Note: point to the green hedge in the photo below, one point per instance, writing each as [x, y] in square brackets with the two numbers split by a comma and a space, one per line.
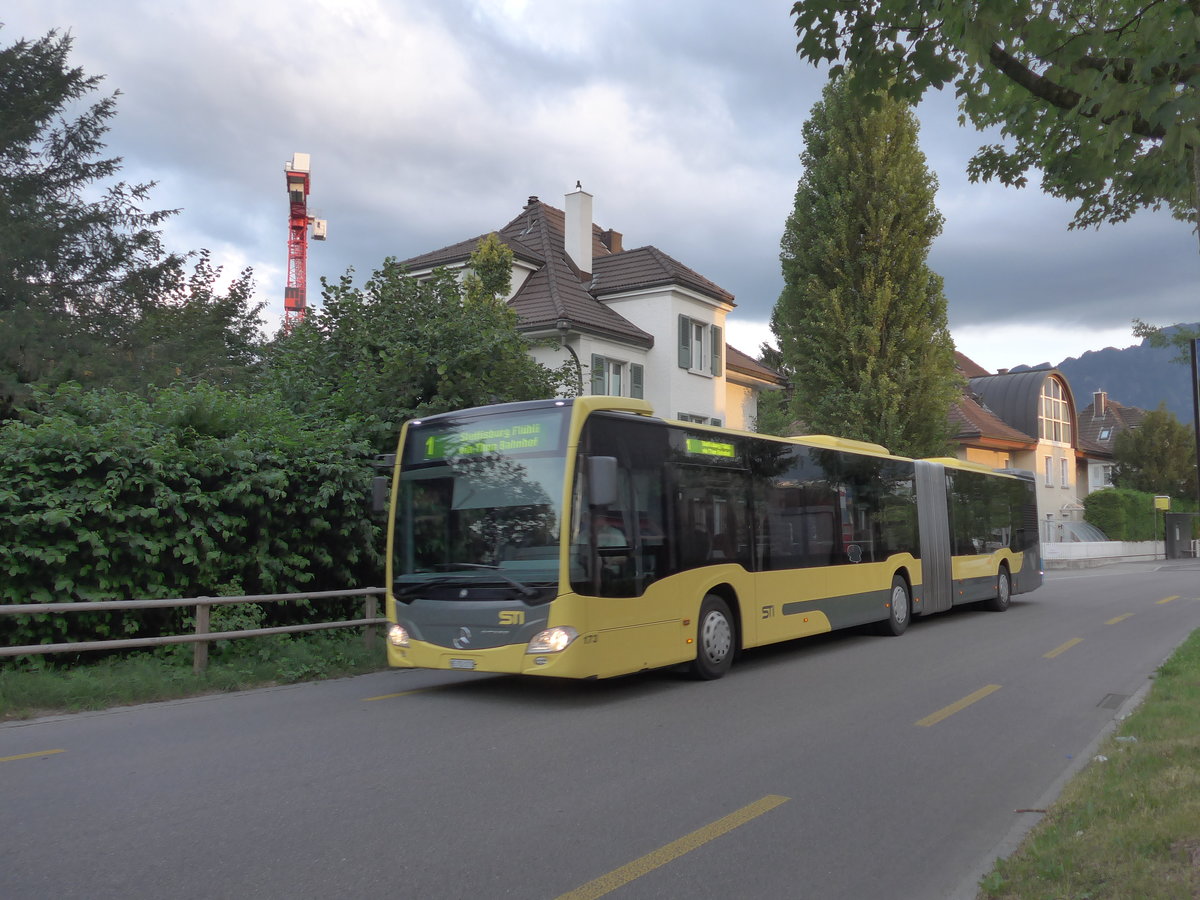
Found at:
[1126, 515]
[195, 491]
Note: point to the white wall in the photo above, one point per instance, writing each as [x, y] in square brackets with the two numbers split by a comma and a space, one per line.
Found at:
[741, 406]
[669, 388]
[1052, 498]
[584, 346]
[1096, 480]
[1082, 554]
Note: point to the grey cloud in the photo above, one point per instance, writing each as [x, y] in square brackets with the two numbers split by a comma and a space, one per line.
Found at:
[213, 110]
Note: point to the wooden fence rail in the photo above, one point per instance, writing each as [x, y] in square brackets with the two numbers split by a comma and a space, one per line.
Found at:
[202, 636]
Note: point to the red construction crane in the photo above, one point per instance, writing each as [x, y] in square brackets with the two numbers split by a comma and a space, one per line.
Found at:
[295, 301]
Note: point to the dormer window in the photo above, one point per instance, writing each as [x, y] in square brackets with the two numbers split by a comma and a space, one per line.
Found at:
[700, 346]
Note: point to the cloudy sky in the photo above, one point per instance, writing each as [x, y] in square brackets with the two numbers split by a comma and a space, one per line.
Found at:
[431, 121]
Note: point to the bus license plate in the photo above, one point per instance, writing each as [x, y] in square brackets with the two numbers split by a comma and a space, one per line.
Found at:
[462, 663]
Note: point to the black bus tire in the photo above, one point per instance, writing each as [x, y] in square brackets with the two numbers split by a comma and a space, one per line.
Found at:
[1003, 597]
[899, 609]
[714, 639]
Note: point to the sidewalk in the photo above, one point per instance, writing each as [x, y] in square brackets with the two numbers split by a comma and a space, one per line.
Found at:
[1124, 567]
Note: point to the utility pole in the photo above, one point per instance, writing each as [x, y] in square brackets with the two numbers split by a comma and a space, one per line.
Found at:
[1196, 410]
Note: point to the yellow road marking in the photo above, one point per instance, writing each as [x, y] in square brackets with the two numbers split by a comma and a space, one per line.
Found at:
[1119, 619]
[947, 711]
[401, 694]
[1166, 600]
[424, 690]
[29, 755]
[1062, 648]
[651, 861]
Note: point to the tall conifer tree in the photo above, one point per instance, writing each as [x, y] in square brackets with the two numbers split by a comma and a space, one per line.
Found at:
[79, 258]
[861, 321]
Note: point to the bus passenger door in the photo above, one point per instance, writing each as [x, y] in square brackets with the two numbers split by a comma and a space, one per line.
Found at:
[713, 518]
[798, 534]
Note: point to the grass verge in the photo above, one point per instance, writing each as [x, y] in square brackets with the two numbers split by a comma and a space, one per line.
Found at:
[37, 689]
[1129, 824]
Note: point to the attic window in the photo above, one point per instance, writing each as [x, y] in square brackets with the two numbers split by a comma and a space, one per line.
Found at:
[1105, 433]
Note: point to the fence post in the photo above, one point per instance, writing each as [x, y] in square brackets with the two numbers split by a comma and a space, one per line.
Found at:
[200, 648]
[370, 611]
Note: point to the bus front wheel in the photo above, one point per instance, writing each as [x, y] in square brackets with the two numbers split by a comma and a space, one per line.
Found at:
[899, 609]
[1003, 597]
[714, 639]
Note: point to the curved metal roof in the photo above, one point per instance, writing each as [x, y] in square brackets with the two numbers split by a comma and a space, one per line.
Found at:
[1015, 397]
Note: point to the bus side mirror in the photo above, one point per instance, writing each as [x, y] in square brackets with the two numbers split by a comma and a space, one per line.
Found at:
[602, 480]
[380, 495]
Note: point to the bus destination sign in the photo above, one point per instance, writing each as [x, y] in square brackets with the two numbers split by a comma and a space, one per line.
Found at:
[504, 437]
[710, 448]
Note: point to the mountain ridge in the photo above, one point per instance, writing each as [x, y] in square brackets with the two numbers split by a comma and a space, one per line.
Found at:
[1138, 375]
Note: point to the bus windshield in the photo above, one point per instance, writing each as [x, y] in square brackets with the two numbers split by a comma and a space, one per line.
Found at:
[479, 493]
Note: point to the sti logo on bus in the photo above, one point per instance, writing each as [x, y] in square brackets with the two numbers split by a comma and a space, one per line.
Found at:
[512, 617]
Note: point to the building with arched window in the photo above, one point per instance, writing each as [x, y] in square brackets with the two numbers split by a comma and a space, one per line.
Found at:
[1027, 420]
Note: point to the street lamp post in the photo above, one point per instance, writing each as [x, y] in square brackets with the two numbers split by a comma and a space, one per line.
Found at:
[1196, 410]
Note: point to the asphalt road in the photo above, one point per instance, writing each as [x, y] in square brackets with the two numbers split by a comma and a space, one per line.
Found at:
[846, 766]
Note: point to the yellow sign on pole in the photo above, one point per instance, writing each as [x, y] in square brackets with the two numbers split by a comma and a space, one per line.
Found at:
[1161, 502]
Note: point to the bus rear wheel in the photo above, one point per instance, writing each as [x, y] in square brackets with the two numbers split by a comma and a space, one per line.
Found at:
[1003, 597]
[714, 639]
[899, 609]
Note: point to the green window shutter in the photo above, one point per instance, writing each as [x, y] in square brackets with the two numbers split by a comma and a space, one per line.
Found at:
[685, 342]
[635, 381]
[718, 349]
[598, 386]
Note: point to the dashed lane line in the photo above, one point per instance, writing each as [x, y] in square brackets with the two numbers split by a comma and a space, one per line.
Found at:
[4, 759]
[400, 694]
[620, 877]
[1062, 648]
[946, 711]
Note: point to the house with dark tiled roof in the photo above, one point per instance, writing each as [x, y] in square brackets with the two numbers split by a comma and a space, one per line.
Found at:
[634, 323]
[1100, 423]
[1027, 420]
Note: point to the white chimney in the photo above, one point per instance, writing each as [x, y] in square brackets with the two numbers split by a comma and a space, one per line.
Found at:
[1099, 404]
[578, 229]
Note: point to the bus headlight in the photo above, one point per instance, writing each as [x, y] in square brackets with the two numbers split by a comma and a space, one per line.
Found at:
[397, 636]
[552, 640]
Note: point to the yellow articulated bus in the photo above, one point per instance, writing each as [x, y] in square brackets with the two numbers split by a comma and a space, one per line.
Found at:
[587, 538]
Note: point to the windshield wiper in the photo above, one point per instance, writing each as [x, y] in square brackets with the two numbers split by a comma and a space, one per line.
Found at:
[413, 587]
[526, 590]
